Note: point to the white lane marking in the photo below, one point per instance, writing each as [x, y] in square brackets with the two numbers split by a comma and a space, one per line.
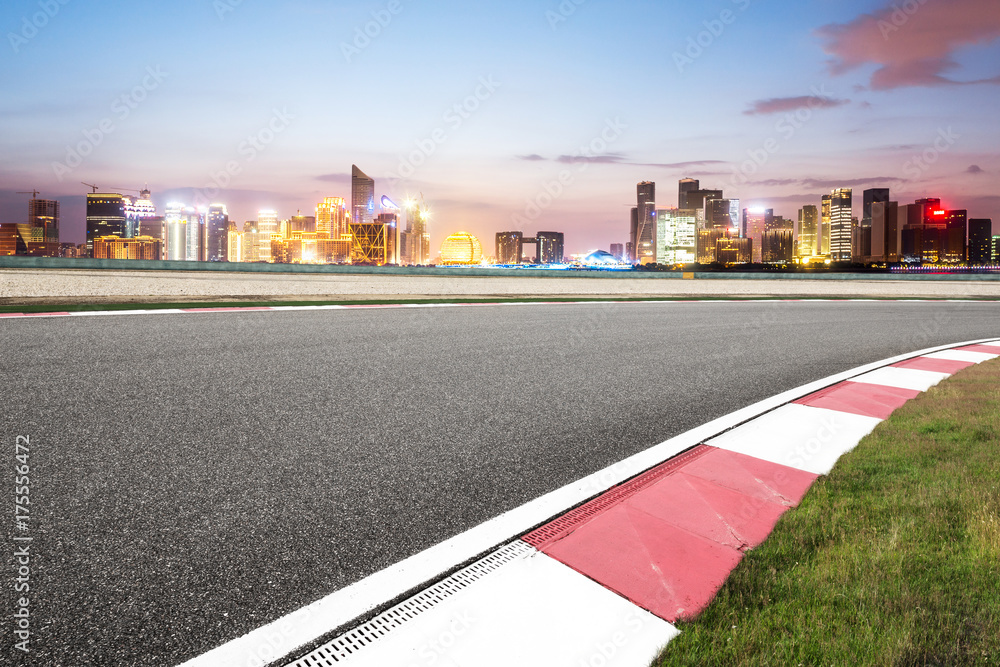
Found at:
[960, 355]
[345, 605]
[799, 436]
[903, 378]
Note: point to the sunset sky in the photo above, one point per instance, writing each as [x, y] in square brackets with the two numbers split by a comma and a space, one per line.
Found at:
[500, 111]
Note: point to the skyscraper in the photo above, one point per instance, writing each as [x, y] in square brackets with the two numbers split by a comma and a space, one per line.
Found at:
[137, 210]
[550, 247]
[105, 217]
[508, 247]
[217, 234]
[980, 241]
[644, 233]
[841, 207]
[756, 221]
[684, 186]
[675, 236]
[418, 235]
[362, 197]
[331, 217]
[44, 214]
[885, 232]
[808, 232]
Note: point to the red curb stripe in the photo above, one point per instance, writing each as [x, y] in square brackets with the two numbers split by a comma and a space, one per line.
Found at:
[860, 398]
[570, 521]
[988, 349]
[11, 314]
[54, 314]
[669, 546]
[934, 365]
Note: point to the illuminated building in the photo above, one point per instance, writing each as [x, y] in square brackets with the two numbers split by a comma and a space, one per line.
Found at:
[252, 242]
[777, 245]
[690, 195]
[156, 227]
[870, 197]
[461, 248]
[885, 232]
[618, 251]
[217, 234]
[332, 217]
[105, 217]
[722, 213]
[137, 210]
[301, 223]
[362, 197]
[980, 241]
[184, 229]
[643, 225]
[550, 247]
[139, 247]
[755, 222]
[841, 216]
[932, 234]
[509, 247]
[684, 186]
[675, 236]
[267, 224]
[706, 243]
[234, 244]
[734, 250]
[601, 258]
[369, 243]
[391, 221]
[808, 232]
[44, 214]
[417, 246]
[823, 234]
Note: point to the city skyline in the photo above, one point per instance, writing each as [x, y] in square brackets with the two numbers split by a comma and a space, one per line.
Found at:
[867, 96]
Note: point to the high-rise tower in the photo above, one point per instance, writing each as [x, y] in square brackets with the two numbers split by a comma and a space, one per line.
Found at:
[362, 197]
[841, 207]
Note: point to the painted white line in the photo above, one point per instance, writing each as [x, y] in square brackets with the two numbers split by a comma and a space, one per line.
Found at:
[360, 598]
[533, 610]
[903, 378]
[959, 355]
[799, 436]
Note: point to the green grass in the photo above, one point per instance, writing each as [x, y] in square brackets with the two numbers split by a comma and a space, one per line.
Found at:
[893, 559]
[138, 305]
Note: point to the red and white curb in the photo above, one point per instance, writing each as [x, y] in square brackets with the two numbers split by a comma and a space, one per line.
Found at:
[363, 306]
[650, 541]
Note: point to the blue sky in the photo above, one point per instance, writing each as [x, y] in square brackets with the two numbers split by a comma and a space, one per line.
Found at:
[266, 105]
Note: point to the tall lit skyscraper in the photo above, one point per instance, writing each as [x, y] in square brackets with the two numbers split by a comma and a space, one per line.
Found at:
[175, 223]
[756, 221]
[684, 186]
[105, 217]
[418, 237]
[643, 236]
[550, 247]
[841, 215]
[217, 234]
[137, 210]
[362, 197]
[824, 226]
[808, 232]
[332, 217]
[980, 241]
[509, 247]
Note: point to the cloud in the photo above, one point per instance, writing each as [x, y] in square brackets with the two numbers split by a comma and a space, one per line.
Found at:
[827, 183]
[534, 157]
[679, 165]
[975, 169]
[618, 158]
[779, 104]
[334, 178]
[610, 158]
[912, 47]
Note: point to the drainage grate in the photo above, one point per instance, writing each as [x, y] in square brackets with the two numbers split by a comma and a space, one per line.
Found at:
[342, 647]
[565, 524]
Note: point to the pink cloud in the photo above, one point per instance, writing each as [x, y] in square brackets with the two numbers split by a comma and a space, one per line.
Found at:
[913, 43]
[779, 104]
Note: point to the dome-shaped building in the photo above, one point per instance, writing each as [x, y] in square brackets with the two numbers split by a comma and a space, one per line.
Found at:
[461, 248]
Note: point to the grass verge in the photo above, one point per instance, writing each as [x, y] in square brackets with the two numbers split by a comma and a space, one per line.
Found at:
[893, 559]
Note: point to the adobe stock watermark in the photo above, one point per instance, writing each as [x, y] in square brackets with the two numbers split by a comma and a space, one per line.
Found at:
[453, 118]
[607, 650]
[900, 16]
[31, 25]
[714, 29]
[552, 190]
[223, 7]
[435, 651]
[562, 13]
[275, 640]
[248, 149]
[786, 127]
[121, 108]
[920, 164]
[371, 30]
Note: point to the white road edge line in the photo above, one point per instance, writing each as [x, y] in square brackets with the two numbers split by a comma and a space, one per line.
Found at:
[284, 635]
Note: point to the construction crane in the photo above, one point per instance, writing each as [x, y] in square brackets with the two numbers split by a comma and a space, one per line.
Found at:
[89, 185]
[34, 193]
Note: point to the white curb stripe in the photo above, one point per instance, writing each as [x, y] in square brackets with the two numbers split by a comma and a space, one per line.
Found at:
[799, 436]
[902, 378]
[960, 355]
[533, 610]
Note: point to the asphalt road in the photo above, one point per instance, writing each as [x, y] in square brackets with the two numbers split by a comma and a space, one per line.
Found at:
[196, 476]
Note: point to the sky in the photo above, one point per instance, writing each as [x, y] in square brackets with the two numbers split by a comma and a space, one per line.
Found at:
[537, 115]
